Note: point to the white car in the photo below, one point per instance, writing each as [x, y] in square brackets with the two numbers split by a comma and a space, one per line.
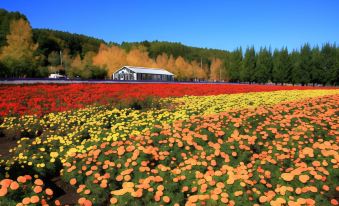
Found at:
[57, 76]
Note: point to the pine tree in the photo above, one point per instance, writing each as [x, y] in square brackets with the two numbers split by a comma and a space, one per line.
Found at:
[281, 66]
[248, 66]
[329, 63]
[305, 64]
[316, 74]
[263, 66]
[235, 65]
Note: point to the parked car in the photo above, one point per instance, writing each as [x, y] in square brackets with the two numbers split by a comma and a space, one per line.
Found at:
[57, 76]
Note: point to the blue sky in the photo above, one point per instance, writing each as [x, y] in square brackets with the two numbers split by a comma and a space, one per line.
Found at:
[221, 24]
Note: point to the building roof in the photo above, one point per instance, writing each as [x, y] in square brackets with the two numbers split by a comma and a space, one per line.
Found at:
[146, 70]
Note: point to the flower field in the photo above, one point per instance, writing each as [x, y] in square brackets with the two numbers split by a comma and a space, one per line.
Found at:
[43, 99]
[227, 145]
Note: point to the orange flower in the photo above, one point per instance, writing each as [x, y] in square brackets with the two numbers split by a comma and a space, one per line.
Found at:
[73, 181]
[160, 188]
[26, 200]
[35, 199]
[238, 193]
[214, 197]
[57, 202]
[193, 198]
[49, 192]
[326, 188]
[287, 176]
[157, 198]
[166, 199]
[304, 178]
[37, 189]
[113, 200]
[38, 182]
[224, 200]
[21, 179]
[87, 203]
[119, 178]
[14, 185]
[262, 199]
[81, 200]
[127, 178]
[3, 191]
[6, 182]
[334, 202]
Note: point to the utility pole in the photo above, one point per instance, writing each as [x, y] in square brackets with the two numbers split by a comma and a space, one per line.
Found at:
[60, 61]
[201, 63]
[220, 74]
[60, 57]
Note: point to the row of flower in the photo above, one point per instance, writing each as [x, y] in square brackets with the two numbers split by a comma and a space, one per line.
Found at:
[57, 133]
[42, 99]
[95, 148]
[287, 154]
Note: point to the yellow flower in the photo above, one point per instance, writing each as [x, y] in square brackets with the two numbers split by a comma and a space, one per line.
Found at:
[54, 154]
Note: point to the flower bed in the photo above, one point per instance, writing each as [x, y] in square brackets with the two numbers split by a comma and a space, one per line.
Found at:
[252, 148]
[42, 99]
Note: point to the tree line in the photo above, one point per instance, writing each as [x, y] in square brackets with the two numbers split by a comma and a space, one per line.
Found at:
[27, 52]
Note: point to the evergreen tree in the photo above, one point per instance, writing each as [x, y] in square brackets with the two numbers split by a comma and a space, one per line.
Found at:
[295, 72]
[329, 64]
[305, 64]
[263, 66]
[281, 66]
[248, 66]
[316, 74]
[235, 65]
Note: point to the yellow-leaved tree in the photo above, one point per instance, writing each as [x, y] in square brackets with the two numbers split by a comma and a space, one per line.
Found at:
[215, 69]
[18, 54]
[111, 58]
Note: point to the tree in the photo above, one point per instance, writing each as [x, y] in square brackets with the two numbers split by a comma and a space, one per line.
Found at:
[180, 66]
[302, 66]
[19, 55]
[281, 66]
[316, 74]
[111, 58]
[329, 62]
[263, 66]
[235, 65]
[5, 20]
[3, 70]
[216, 69]
[76, 68]
[248, 66]
[138, 56]
[54, 58]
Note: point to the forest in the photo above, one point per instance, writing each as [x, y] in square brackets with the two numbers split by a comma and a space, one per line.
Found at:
[26, 52]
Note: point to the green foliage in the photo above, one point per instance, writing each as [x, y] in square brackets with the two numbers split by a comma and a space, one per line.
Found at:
[263, 66]
[330, 63]
[248, 65]
[52, 40]
[281, 66]
[175, 49]
[235, 65]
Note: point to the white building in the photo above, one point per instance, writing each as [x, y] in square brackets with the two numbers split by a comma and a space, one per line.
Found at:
[142, 73]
